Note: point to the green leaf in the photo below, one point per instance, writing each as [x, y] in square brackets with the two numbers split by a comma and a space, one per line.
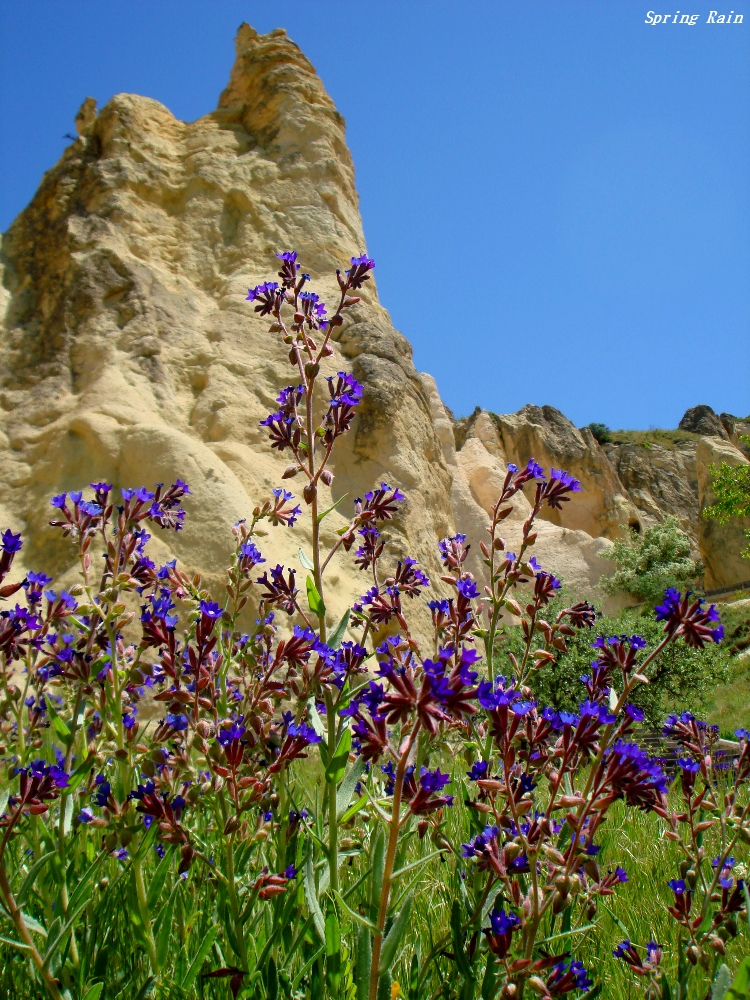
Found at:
[147, 989]
[329, 509]
[94, 992]
[314, 600]
[562, 934]
[33, 925]
[363, 921]
[272, 980]
[316, 722]
[353, 809]
[378, 867]
[338, 636]
[15, 944]
[458, 941]
[157, 882]
[333, 951]
[489, 983]
[31, 877]
[80, 889]
[363, 964]
[740, 988]
[666, 990]
[4, 796]
[57, 723]
[722, 983]
[415, 864]
[79, 774]
[305, 560]
[67, 815]
[394, 936]
[337, 764]
[163, 928]
[195, 966]
[347, 786]
[311, 897]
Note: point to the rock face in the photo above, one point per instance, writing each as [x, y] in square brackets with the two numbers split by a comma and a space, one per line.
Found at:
[659, 481]
[128, 351]
[720, 544]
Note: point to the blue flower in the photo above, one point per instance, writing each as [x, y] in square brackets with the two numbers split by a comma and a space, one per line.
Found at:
[502, 922]
[11, 543]
[59, 500]
[678, 887]
[688, 765]
[211, 609]
[467, 588]
[178, 722]
[478, 770]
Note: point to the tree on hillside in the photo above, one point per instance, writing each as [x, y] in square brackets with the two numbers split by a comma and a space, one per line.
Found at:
[649, 563]
[731, 486]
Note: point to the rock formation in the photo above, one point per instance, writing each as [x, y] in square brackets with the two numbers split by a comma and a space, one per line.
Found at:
[128, 351]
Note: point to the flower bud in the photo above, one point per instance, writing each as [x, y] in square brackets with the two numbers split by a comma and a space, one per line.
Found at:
[509, 991]
[327, 476]
[693, 954]
[290, 471]
[326, 351]
[422, 827]
[538, 985]
[310, 492]
[205, 729]
[311, 369]
[231, 825]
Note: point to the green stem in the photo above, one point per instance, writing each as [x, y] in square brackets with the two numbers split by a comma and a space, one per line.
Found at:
[333, 828]
[390, 857]
[140, 890]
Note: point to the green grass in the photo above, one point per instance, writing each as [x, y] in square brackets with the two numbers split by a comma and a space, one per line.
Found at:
[645, 439]
[729, 705]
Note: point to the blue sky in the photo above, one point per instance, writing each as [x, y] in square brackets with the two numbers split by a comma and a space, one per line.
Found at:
[557, 195]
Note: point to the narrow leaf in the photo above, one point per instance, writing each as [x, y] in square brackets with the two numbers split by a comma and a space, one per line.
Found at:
[347, 786]
[4, 796]
[31, 877]
[58, 724]
[353, 809]
[337, 764]
[336, 639]
[394, 936]
[79, 774]
[363, 964]
[305, 560]
[722, 983]
[562, 934]
[311, 896]
[195, 966]
[314, 600]
[163, 929]
[458, 941]
[33, 925]
[329, 509]
[157, 882]
[15, 944]
[94, 992]
[378, 867]
[356, 916]
[415, 864]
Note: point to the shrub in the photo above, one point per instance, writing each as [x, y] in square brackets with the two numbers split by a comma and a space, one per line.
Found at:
[601, 432]
[731, 484]
[650, 563]
[682, 679]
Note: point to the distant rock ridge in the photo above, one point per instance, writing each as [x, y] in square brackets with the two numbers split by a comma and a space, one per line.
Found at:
[128, 351]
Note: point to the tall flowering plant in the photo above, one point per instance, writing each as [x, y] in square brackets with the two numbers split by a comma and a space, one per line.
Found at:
[264, 804]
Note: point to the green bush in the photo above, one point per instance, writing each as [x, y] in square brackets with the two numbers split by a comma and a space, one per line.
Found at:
[681, 679]
[601, 432]
[649, 563]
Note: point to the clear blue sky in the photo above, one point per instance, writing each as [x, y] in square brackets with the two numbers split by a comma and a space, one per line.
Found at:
[557, 194]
